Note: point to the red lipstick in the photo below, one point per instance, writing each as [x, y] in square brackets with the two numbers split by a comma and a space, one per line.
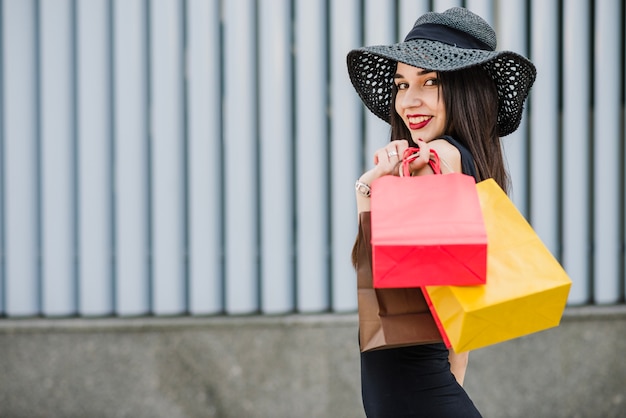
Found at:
[418, 121]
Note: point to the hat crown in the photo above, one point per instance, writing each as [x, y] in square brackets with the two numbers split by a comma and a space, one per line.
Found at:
[463, 20]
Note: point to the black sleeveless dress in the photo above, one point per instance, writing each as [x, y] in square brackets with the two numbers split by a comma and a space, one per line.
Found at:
[415, 381]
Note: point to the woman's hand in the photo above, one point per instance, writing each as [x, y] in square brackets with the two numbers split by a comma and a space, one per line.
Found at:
[458, 365]
[419, 166]
[388, 161]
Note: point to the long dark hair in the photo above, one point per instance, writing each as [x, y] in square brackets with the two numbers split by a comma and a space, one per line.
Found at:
[471, 101]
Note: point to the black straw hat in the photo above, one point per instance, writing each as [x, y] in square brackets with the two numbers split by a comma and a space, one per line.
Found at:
[448, 41]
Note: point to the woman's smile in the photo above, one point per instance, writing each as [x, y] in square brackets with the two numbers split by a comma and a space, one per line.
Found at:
[418, 121]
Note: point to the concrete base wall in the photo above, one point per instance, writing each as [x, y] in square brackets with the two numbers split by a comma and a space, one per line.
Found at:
[294, 366]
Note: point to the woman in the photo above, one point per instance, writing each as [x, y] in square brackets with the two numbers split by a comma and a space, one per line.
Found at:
[445, 88]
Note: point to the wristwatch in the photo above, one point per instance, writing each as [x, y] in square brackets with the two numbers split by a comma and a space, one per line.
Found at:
[363, 189]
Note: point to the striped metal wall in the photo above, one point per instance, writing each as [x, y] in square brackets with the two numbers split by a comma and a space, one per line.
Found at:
[168, 157]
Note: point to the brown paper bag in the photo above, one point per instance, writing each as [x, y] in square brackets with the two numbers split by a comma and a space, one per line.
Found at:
[389, 317]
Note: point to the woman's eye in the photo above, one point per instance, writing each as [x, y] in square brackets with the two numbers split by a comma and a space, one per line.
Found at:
[402, 86]
[432, 82]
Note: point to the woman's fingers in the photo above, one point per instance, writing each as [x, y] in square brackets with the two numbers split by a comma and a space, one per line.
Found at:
[388, 160]
[384, 155]
[401, 146]
[388, 157]
[419, 164]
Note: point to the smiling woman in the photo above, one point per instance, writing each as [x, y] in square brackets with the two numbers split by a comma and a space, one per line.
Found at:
[445, 88]
[419, 103]
[470, 100]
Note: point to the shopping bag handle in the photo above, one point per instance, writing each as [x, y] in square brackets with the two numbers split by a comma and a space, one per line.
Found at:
[411, 153]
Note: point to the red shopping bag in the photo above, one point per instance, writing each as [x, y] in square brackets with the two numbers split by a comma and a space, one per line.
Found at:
[427, 230]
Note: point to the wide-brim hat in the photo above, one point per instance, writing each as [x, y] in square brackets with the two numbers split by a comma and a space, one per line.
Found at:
[448, 41]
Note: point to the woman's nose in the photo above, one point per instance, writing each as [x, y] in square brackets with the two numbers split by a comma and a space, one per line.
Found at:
[411, 98]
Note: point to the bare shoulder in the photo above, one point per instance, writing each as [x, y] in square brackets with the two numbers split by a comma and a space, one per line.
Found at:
[448, 153]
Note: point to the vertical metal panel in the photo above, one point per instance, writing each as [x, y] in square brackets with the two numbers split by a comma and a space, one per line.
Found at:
[576, 148]
[276, 161]
[94, 166]
[240, 146]
[131, 157]
[312, 174]
[120, 86]
[512, 34]
[606, 151]
[167, 157]
[346, 149]
[442, 5]
[57, 158]
[204, 157]
[483, 8]
[20, 157]
[379, 28]
[544, 152]
[2, 165]
[408, 12]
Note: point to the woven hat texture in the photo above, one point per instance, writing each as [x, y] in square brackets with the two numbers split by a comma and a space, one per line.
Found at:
[372, 68]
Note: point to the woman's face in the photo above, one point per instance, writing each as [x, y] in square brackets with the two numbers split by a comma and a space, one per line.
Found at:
[419, 102]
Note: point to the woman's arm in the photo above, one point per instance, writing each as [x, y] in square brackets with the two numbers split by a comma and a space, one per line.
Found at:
[387, 162]
[385, 165]
[458, 365]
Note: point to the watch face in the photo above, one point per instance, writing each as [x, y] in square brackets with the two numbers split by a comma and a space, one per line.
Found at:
[363, 189]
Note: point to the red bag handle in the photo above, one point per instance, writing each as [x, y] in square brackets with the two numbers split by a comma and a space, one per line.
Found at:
[411, 153]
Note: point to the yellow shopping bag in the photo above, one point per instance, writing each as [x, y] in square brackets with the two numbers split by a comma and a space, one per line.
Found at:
[526, 289]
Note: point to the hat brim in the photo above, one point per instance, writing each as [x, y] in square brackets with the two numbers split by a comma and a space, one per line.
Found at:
[372, 70]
